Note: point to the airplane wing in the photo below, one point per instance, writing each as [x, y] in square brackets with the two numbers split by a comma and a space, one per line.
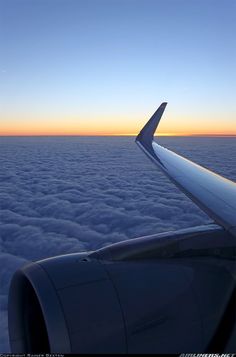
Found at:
[213, 193]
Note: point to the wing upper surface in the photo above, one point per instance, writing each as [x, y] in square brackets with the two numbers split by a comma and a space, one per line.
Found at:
[213, 193]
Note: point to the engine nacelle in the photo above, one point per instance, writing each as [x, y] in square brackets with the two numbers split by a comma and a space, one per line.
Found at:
[78, 304]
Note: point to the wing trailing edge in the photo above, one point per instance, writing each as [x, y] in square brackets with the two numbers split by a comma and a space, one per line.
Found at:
[214, 194]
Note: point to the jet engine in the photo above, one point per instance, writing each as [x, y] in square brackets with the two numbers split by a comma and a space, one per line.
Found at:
[161, 299]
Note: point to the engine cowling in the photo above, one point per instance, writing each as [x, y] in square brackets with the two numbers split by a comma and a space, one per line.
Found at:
[78, 304]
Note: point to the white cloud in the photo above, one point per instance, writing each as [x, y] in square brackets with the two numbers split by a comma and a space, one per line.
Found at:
[62, 195]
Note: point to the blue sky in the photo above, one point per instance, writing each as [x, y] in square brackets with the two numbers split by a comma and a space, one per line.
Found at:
[96, 61]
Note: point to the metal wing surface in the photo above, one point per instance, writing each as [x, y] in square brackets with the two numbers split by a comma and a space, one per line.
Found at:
[213, 193]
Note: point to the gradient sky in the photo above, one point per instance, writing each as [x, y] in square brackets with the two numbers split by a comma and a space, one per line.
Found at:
[104, 66]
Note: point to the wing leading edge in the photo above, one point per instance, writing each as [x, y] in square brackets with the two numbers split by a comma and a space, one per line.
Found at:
[213, 193]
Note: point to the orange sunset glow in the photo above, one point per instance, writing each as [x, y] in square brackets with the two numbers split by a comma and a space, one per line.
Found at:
[117, 126]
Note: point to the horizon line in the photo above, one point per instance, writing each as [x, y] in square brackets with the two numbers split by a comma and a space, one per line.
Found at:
[87, 135]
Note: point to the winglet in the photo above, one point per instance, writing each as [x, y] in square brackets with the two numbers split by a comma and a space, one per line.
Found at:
[145, 137]
[212, 193]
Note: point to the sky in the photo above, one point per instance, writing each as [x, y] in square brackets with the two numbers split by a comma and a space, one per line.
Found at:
[102, 67]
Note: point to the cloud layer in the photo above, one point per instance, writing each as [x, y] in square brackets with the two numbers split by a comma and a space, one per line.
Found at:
[71, 194]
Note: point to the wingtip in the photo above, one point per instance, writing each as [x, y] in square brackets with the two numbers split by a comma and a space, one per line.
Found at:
[145, 136]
